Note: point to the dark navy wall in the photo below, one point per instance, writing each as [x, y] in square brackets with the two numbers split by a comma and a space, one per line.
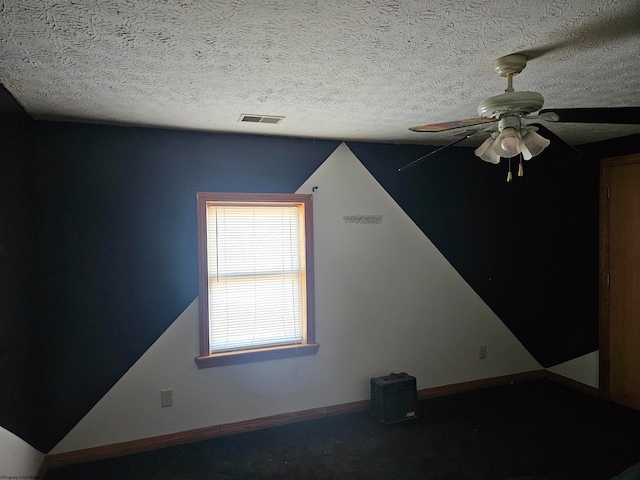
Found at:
[118, 238]
[19, 351]
[528, 248]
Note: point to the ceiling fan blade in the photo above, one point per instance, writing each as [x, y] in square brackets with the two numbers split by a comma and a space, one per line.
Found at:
[602, 30]
[442, 127]
[437, 150]
[555, 139]
[622, 115]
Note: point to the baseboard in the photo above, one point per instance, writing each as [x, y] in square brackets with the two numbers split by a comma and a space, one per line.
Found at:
[206, 433]
[478, 384]
[198, 434]
[569, 382]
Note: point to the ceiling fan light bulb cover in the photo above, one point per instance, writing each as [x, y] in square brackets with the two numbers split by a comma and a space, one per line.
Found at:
[508, 144]
[535, 143]
[485, 152]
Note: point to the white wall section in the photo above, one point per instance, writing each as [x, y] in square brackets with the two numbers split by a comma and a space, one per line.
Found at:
[18, 459]
[386, 301]
[584, 369]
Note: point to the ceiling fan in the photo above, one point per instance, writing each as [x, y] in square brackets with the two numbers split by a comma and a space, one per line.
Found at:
[513, 137]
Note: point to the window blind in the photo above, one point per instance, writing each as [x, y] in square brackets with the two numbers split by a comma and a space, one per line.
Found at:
[254, 258]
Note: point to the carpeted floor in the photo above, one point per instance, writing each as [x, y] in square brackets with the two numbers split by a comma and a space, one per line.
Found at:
[529, 429]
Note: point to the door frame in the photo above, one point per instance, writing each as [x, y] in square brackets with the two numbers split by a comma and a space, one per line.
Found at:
[604, 265]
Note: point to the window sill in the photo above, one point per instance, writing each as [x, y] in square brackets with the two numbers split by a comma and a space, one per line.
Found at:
[256, 355]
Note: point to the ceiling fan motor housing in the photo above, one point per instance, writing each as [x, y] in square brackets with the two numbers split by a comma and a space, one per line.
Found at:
[510, 64]
[507, 121]
[511, 103]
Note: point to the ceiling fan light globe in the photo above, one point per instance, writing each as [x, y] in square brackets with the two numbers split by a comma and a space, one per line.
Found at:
[486, 153]
[508, 144]
[535, 143]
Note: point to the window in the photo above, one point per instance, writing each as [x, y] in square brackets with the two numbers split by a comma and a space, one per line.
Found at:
[256, 277]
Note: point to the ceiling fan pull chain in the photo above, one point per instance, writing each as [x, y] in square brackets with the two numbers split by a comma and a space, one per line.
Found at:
[509, 176]
[520, 168]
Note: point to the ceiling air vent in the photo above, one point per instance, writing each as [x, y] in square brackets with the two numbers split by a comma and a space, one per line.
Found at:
[260, 118]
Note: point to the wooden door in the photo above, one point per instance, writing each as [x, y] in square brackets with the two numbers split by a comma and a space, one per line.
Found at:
[620, 277]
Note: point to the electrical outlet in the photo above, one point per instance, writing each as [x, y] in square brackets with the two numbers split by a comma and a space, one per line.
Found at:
[166, 397]
[483, 351]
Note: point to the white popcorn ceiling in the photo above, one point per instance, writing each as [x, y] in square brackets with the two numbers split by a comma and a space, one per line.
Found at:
[347, 70]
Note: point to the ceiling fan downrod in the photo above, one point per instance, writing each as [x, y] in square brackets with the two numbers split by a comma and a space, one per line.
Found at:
[509, 83]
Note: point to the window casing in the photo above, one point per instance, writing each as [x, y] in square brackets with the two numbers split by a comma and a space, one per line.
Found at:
[255, 256]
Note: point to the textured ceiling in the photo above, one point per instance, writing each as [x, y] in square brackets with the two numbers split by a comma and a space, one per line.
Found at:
[348, 70]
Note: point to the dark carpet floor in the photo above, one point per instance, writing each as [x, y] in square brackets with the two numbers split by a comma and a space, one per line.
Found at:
[529, 429]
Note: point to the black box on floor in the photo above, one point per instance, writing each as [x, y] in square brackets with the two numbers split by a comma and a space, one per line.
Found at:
[394, 398]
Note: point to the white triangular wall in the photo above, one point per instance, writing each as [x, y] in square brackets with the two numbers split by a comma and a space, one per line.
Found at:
[18, 459]
[584, 369]
[386, 301]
